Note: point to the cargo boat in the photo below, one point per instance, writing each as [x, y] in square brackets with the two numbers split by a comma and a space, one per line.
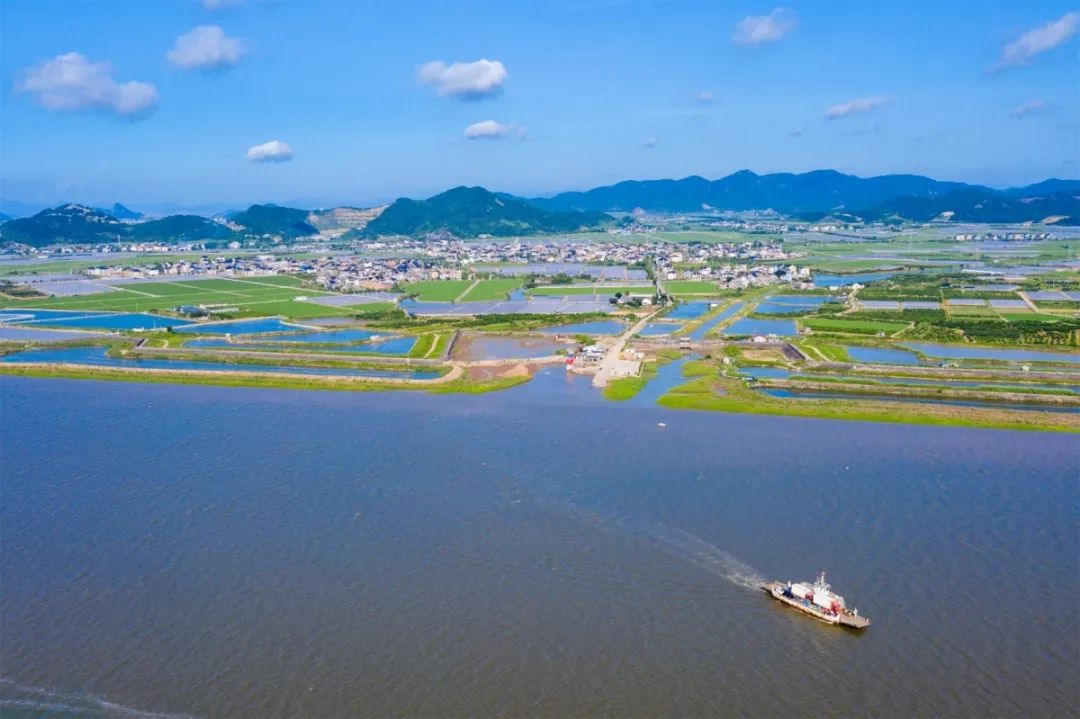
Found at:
[818, 600]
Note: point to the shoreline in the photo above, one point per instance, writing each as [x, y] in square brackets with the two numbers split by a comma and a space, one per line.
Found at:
[697, 393]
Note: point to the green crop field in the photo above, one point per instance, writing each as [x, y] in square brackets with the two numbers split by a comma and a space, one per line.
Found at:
[972, 311]
[1031, 317]
[492, 289]
[437, 290]
[857, 326]
[602, 290]
[690, 287]
[250, 296]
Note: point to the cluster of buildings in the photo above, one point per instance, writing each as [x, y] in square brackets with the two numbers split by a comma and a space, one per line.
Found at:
[382, 264]
[1002, 236]
[241, 266]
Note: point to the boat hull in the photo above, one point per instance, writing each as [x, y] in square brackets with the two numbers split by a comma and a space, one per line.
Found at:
[844, 619]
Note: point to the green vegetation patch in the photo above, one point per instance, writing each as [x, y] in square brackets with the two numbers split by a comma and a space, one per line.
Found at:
[492, 289]
[437, 290]
[828, 324]
[690, 287]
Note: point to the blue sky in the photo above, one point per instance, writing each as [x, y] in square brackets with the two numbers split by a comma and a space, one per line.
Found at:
[164, 100]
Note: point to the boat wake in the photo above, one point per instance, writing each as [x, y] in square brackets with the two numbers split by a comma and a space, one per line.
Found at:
[47, 702]
[706, 556]
[678, 543]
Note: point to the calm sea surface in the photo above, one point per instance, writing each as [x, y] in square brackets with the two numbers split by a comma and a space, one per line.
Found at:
[538, 552]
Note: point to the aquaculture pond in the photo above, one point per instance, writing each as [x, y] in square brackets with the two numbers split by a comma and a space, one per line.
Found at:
[848, 280]
[653, 329]
[934, 349]
[106, 321]
[708, 325]
[36, 334]
[392, 346]
[765, 372]
[791, 304]
[688, 311]
[747, 326]
[98, 357]
[881, 355]
[12, 315]
[600, 327]
[341, 336]
[242, 327]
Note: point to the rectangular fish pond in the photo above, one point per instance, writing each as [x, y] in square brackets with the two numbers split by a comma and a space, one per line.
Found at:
[242, 327]
[747, 327]
[98, 320]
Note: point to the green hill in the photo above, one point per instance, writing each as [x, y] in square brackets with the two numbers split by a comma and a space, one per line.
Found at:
[181, 228]
[285, 222]
[473, 211]
[66, 224]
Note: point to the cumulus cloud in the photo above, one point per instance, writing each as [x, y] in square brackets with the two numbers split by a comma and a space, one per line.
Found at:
[71, 82]
[486, 130]
[1027, 108]
[860, 104]
[205, 47]
[1039, 40]
[755, 30]
[464, 80]
[649, 142]
[273, 151]
[493, 130]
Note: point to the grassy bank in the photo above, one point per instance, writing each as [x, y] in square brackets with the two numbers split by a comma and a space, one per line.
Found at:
[716, 393]
[237, 379]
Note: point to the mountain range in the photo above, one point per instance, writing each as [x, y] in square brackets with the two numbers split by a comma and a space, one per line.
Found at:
[474, 211]
[820, 191]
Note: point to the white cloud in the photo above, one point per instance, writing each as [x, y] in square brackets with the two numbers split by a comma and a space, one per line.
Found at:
[71, 82]
[273, 151]
[493, 130]
[706, 97]
[464, 80]
[1039, 40]
[649, 142]
[486, 130]
[860, 104]
[218, 4]
[205, 47]
[755, 30]
[1027, 108]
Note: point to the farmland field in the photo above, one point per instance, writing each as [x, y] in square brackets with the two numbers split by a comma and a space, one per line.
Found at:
[859, 326]
[492, 289]
[690, 287]
[1031, 317]
[437, 290]
[250, 296]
